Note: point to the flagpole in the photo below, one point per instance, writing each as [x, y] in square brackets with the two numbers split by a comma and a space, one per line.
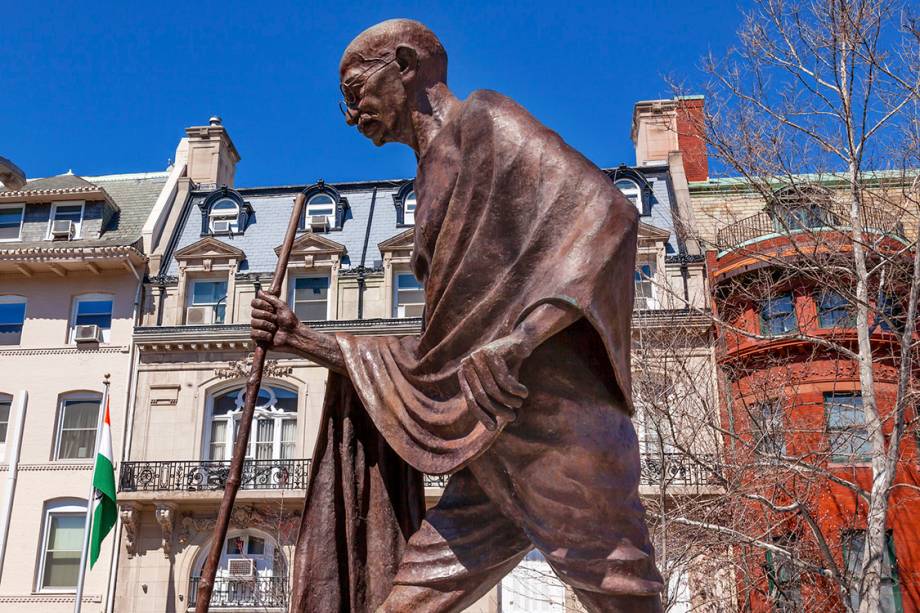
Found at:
[90, 499]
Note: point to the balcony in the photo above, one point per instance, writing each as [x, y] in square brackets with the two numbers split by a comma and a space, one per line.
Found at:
[804, 219]
[211, 475]
[677, 470]
[238, 593]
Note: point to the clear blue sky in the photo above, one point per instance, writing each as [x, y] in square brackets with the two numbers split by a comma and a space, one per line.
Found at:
[109, 87]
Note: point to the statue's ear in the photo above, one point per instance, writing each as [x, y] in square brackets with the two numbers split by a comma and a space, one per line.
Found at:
[407, 59]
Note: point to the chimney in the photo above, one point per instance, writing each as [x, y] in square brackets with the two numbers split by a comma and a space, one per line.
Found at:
[660, 127]
[11, 176]
[212, 156]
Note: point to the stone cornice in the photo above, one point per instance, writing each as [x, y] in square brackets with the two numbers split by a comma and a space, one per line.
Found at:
[48, 598]
[50, 466]
[68, 350]
[76, 253]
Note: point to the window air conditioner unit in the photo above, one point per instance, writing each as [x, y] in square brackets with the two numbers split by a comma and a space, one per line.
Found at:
[62, 228]
[87, 334]
[199, 316]
[221, 226]
[410, 310]
[240, 568]
[319, 223]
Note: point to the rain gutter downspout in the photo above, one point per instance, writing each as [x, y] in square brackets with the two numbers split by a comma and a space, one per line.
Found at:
[361, 269]
[12, 473]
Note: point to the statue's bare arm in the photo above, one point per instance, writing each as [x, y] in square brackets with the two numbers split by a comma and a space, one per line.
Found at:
[488, 376]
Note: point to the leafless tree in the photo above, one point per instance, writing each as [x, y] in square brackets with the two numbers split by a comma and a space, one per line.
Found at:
[816, 114]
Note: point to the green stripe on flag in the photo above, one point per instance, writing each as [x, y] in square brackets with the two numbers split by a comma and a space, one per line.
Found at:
[105, 511]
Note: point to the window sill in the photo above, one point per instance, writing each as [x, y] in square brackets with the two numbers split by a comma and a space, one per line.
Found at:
[847, 464]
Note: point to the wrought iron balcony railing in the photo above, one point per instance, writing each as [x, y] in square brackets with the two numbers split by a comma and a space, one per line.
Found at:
[251, 593]
[677, 469]
[803, 219]
[211, 475]
[207, 475]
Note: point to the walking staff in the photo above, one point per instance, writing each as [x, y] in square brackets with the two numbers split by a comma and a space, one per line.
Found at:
[206, 585]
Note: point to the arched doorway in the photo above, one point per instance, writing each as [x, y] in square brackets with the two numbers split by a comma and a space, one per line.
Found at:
[251, 575]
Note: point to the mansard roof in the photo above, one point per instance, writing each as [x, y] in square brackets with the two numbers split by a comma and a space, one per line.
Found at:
[370, 223]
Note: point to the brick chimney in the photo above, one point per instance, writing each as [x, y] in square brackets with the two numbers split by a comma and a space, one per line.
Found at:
[660, 127]
[212, 156]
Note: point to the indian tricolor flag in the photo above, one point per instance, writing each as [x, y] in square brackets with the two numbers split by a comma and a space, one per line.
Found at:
[105, 510]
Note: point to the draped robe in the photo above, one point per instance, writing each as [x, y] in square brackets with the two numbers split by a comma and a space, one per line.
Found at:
[509, 217]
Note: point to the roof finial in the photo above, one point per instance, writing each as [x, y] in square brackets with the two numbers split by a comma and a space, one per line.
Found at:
[214, 120]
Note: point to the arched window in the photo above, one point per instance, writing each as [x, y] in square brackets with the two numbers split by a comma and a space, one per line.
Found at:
[78, 416]
[409, 209]
[321, 205]
[12, 318]
[801, 207]
[62, 541]
[92, 318]
[274, 426]
[251, 572]
[224, 217]
[632, 192]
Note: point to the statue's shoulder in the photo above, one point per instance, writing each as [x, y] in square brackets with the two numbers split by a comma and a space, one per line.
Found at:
[488, 102]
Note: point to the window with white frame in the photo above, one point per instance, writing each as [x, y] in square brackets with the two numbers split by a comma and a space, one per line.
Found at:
[274, 430]
[409, 208]
[62, 213]
[93, 310]
[12, 318]
[632, 192]
[250, 573]
[321, 205]
[6, 403]
[408, 296]
[645, 285]
[62, 542]
[846, 427]
[224, 217]
[207, 303]
[310, 297]
[78, 416]
[11, 222]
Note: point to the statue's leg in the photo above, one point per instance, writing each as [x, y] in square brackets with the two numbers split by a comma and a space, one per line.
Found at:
[464, 547]
[598, 602]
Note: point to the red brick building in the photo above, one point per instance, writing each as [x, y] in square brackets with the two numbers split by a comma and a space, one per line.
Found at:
[796, 442]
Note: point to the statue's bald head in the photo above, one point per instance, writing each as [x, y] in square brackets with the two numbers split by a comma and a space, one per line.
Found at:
[384, 39]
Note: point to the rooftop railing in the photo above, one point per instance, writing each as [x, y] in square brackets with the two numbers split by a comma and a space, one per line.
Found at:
[804, 219]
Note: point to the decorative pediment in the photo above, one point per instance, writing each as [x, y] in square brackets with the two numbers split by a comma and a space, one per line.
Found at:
[309, 243]
[651, 233]
[402, 241]
[209, 248]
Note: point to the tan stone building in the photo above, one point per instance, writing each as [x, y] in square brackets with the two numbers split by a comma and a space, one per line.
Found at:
[72, 262]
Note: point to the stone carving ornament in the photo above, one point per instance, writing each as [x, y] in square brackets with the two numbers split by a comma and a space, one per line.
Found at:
[518, 386]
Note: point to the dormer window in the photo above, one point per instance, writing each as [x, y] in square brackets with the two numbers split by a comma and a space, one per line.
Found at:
[66, 221]
[224, 213]
[320, 211]
[409, 209]
[632, 192]
[224, 217]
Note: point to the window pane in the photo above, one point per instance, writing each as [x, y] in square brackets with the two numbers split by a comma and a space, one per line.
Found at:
[10, 221]
[98, 312]
[256, 546]
[78, 429]
[311, 288]
[225, 403]
[265, 436]
[778, 315]
[288, 432]
[224, 207]
[81, 413]
[63, 544]
[311, 311]
[218, 439]
[208, 292]
[235, 545]
[12, 316]
[285, 400]
[5, 404]
[71, 212]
